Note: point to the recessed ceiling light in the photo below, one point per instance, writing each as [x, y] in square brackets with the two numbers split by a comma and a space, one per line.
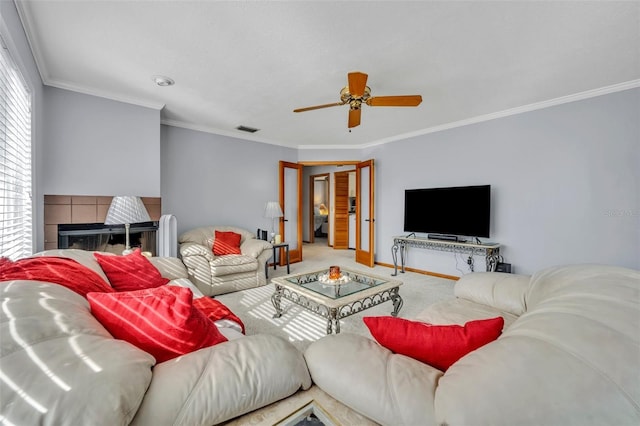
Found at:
[162, 80]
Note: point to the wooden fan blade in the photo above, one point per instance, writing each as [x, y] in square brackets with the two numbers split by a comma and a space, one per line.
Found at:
[354, 117]
[404, 101]
[357, 83]
[311, 108]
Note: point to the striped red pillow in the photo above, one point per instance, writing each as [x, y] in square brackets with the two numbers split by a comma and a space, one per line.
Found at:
[226, 243]
[161, 321]
[130, 272]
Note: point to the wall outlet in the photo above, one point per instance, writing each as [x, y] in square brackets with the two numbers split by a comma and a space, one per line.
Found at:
[503, 267]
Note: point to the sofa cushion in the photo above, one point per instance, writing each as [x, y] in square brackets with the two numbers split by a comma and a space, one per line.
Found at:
[437, 345]
[390, 389]
[59, 365]
[161, 321]
[571, 359]
[84, 257]
[216, 384]
[226, 243]
[130, 272]
[505, 292]
[460, 311]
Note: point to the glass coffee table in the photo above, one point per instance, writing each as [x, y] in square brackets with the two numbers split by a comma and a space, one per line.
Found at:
[353, 292]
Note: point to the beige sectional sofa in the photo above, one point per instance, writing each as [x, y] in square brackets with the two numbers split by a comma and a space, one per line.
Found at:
[569, 354]
[60, 366]
[215, 275]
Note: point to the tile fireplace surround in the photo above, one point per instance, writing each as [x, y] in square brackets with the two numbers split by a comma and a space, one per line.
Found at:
[77, 210]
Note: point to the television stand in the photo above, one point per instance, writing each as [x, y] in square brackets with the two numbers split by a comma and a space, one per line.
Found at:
[491, 251]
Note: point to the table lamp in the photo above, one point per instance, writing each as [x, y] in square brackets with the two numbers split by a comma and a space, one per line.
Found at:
[126, 210]
[273, 211]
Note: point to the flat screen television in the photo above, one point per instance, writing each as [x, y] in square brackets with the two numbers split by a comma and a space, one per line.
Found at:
[462, 210]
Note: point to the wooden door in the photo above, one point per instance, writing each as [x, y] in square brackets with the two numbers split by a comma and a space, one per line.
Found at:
[341, 211]
[291, 203]
[365, 217]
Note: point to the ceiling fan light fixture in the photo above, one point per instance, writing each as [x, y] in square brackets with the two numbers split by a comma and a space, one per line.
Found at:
[162, 80]
[357, 92]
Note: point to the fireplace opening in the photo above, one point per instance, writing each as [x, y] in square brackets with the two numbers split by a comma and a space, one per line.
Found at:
[107, 238]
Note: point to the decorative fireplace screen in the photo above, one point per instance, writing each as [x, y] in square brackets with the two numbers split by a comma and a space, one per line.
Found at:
[108, 238]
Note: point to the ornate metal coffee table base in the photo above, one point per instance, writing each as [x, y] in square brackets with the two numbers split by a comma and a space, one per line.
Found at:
[333, 315]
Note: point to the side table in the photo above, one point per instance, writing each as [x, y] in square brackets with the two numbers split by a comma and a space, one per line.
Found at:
[275, 263]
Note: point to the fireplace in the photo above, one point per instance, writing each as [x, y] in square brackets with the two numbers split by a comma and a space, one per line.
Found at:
[77, 221]
[108, 238]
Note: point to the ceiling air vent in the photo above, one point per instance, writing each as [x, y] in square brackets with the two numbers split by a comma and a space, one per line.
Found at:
[247, 129]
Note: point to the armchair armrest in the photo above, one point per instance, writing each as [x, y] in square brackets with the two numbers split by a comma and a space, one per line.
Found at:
[194, 249]
[197, 258]
[254, 247]
[386, 387]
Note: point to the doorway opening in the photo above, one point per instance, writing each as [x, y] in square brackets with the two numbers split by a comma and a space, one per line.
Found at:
[347, 221]
[319, 208]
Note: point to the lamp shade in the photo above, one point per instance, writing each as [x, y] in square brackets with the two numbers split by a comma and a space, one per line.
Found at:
[125, 210]
[273, 210]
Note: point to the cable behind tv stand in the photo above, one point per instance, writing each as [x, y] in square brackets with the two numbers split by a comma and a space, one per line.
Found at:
[491, 251]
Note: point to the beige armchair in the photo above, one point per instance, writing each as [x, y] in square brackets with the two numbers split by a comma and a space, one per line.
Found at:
[215, 275]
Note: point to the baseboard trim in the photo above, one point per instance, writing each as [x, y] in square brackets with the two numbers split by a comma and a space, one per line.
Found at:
[420, 271]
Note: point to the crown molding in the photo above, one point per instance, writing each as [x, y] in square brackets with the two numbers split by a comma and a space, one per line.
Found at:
[38, 57]
[447, 126]
[28, 26]
[114, 97]
[512, 111]
[236, 134]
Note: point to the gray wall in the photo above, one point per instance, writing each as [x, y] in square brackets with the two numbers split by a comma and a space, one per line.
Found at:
[217, 180]
[565, 184]
[96, 146]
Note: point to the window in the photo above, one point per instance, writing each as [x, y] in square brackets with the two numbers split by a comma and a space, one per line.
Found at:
[15, 161]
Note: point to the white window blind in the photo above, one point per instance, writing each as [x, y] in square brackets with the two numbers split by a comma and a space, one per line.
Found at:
[15, 161]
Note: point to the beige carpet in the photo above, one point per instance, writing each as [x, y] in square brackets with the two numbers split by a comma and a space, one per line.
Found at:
[301, 327]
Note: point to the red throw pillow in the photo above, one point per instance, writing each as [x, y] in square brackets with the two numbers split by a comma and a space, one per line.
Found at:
[226, 243]
[161, 321]
[216, 310]
[58, 270]
[130, 272]
[437, 345]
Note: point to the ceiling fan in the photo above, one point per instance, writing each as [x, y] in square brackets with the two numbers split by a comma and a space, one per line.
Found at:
[357, 92]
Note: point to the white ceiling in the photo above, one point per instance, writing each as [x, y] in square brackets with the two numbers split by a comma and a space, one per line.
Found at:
[252, 62]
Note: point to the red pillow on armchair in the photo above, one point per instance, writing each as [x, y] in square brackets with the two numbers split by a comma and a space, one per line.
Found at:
[437, 345]
[226, 242]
